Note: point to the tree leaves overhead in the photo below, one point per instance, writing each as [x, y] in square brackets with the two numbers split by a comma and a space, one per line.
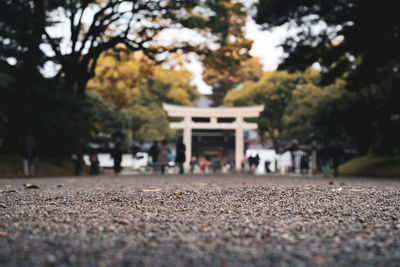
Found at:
[222, 80]
[96, 26]
[358, 39]
[354, 40]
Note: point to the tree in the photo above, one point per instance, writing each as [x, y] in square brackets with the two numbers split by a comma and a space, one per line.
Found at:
[320, 112]
[22, 24]
[354, 40]
[275, 92]
[355, 36]
[224, 79]
[136, 25]
[137, 86]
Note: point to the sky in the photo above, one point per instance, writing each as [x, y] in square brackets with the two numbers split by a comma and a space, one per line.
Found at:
[265, 47]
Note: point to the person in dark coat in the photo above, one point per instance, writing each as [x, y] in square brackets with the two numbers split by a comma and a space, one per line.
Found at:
[116, 154]
[180, 155]
[304, 164]
[163, 156]
[266, 166]
[337, 153]
[154, 151]
[77, 159]
[94, 164]
[29, 151]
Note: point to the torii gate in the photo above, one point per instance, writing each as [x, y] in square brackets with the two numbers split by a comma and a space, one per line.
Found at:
[239, 113]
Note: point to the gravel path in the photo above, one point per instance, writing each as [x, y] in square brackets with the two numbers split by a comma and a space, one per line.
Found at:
[200, 221]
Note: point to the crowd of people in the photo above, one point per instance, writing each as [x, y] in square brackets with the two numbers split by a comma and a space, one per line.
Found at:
[330, 155]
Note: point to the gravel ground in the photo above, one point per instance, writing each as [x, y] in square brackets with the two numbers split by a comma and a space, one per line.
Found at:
[200, 221]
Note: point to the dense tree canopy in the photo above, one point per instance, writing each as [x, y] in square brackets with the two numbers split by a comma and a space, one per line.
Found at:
[295, 106]
[133, 84]
[222, 80]
[73, 34]
[96, 26]
[359, 38]
[354, 40]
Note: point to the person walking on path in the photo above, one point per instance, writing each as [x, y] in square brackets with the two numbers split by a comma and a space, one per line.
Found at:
[337, 152]
[77, 159]
[325, 158]
[154, 151]
[163, 155]
[116, 154]
[180, 155]
[29, 151]
[204, 165]
[94, 164]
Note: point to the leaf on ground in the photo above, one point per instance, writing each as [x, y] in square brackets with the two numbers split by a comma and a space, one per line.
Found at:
[357, 189]
[121, 221]
[151, 189]
[31, 186]
[8, 191]
[202, 184]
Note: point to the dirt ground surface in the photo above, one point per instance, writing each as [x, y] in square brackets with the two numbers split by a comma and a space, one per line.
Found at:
[200, 220]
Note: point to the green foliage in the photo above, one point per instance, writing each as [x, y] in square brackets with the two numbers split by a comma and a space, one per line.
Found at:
[138, 88]
[59, 111]
[356, 41]
[369, 37]
[225, 78]
[295, 106]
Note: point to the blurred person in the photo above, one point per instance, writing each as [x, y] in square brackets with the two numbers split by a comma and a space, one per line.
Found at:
[163, 156]
[116, 154]
[193, 164]
[135, 148]
[266, 166]
[250, 163]
[77, 159]
[216, 165]
[304, 164]
[180, 155]
[324, 155]
[337, 153]
[204, 164]
[29, 151]
[154, 151]
[94, 164]
[256, 161]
